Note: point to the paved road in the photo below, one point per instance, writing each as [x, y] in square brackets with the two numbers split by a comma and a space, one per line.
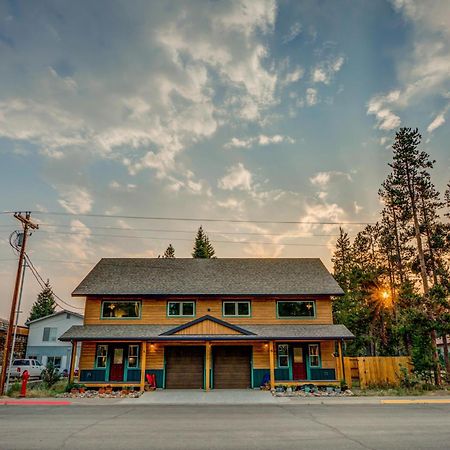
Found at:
[225, 427]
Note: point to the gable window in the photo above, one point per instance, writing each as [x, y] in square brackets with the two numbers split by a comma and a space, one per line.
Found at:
[101, 356]
[283, 355]
[49, 334]
[133, 356]
[181, 309]
[314, 358]
[121, 309]
[289, 309]
[236, 309]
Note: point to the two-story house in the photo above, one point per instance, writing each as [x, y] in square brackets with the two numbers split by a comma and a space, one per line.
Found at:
[208, 323]
[43, 343]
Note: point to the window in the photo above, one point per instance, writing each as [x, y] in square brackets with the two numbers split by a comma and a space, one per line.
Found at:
[237, 309]
[21, 362]
[133, 356]
[314, 359]
[49, 334]
[283, 355]
[181, 309]
[296, 309]
[55, 360]
[101, 356]
[121, 310]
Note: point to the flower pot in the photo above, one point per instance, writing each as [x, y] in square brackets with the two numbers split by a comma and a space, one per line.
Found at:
[82, 390]
[101, 391]
[74, 391]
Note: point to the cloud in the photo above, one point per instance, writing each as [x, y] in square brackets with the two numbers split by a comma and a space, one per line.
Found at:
[232, 203]
[260, 140]
[379, 106]
[294, 30]
[437, 122]
[237, 177]
[311, 96]
[325, 71]
[322, 179]
[75, 200]
[424, 72]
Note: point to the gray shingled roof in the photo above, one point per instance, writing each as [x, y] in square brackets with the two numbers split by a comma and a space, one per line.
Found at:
[221, 276]
[155, 332]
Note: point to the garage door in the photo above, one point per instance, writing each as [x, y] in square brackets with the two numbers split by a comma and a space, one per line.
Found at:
[231, 367]
[184, 367]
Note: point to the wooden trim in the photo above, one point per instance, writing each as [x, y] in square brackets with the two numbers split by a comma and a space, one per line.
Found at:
[143, 363]
[208, 367]
[272, 365]
[341, 362]
[72, 361]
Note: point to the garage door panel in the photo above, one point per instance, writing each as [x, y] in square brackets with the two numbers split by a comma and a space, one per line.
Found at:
[231, 367]
[184, 367]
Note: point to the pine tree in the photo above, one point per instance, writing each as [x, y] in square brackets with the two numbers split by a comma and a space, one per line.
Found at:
[202, 246]
[44, 305]
[170, 252]
[342, 259]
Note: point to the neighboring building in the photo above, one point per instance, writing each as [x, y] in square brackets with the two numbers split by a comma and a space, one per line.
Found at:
[440, 345]
[43, 342]
[201, 323]
[20, 345]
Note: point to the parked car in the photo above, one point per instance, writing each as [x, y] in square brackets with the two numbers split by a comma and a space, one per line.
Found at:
[33, 366]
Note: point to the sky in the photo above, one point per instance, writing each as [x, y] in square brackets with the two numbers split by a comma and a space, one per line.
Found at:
[258, 111]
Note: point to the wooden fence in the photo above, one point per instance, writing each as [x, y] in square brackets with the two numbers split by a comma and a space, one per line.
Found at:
[375, 370]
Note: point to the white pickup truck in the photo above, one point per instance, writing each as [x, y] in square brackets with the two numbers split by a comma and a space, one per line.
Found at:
[33, 366]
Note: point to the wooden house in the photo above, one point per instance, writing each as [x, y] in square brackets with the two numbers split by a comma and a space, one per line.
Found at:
[208, 323]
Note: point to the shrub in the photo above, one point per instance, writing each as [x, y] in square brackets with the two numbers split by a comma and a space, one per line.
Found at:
[50, 375]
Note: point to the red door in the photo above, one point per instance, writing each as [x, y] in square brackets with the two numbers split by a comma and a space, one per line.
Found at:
[298, 367]
[117, 363]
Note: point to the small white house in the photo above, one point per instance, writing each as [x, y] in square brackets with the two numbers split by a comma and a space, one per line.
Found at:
[43, 338]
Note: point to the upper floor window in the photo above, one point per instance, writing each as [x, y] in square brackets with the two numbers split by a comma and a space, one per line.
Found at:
[121, 310]
[181, 309]
[49, 334]
[236, 309]
[294, 309]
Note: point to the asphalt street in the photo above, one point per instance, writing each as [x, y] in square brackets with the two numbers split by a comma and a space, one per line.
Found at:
[419, 426]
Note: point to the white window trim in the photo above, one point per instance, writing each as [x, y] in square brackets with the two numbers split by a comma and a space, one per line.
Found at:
[235, 302]
[181, 302]
[286, 355]
[318, 355]
[137, 356]
[297, 317]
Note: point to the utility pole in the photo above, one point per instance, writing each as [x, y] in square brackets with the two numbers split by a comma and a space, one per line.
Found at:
[26, 225]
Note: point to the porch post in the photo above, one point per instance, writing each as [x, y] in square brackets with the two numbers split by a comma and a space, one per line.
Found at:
[143, 363]
[208, 367]
[341, 362]
[272, 365]
[72, 361]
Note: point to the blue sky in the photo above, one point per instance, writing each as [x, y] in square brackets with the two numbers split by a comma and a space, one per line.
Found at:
[259, 110]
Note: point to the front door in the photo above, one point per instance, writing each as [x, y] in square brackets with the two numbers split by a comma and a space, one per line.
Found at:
[117, 364]
[298, 366]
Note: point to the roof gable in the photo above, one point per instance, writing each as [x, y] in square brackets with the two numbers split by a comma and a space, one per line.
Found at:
[207, 325]
[197, 277]
[56, 314]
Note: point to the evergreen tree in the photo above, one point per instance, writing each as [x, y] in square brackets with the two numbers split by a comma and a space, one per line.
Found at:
[44, 305]
[202, 246]
[342, 259]
[170, 252]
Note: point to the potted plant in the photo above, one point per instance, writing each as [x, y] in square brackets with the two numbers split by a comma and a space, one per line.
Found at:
[101, 391]
[108, 389]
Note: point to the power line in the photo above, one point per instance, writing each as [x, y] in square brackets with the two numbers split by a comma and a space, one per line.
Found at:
[176, 239]
[42, 283]
[191, 219]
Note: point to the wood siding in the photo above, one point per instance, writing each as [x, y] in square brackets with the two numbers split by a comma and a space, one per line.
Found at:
[208, 327]
[261, 356]
[154, 311]
[327, 349]
[87, 355]
[155, 357]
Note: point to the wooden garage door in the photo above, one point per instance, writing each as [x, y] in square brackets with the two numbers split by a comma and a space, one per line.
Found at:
[231, 367]
[184, 367]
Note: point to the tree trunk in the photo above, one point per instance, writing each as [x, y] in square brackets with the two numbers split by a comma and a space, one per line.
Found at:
[397, 246]
[430, 248]
[445, 344]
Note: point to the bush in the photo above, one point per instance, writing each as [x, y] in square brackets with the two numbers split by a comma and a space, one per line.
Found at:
[50, 375]
[14, 389]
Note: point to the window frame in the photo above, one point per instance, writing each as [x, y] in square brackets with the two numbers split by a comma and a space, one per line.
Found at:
[236, 308]
[314, 316]
[51, 337]
[313, 366]
[181, 302]
[137, 366]
[49, 358]
[283, 355]
[99, 356]
[102, 317]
